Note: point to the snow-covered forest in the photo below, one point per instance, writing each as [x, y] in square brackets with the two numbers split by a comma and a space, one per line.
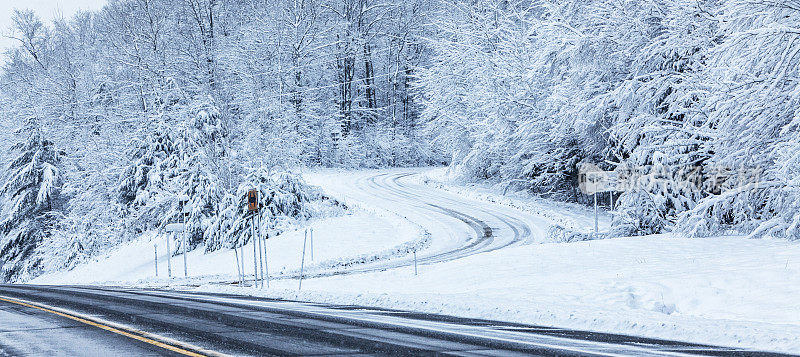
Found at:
[107, 115]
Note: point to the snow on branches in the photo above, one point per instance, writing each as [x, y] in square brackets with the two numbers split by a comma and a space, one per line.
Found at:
[753, 102]
[197, 160]
[522, 91]
[31, 200]
[284, 200]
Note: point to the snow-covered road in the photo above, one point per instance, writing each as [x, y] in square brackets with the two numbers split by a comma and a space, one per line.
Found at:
[457, 226]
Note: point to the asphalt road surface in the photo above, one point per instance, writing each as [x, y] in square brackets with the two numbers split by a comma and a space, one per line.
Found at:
[95, 321]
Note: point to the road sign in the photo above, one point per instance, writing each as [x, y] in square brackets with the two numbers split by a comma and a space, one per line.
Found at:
[252, 200]
[599, 181]
[183, 198]
[174, 227]
[592, 180]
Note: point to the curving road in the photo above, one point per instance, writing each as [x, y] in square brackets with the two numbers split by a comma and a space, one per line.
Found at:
[457, 227]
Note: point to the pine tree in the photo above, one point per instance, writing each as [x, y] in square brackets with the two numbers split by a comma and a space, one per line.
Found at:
[31, 200]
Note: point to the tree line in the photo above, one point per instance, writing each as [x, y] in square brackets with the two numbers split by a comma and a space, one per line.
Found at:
[106, 112]
[701, 97]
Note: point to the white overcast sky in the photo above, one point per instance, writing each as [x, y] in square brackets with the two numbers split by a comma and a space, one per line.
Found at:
[46, 9]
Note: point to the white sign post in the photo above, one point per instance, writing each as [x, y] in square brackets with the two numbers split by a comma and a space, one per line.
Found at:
[169, 259]
[179, 227]
[185, 209]
[592, 180]
[172, 228]
[595, 215]
[155, 250]
[255, 249]
[252, 207]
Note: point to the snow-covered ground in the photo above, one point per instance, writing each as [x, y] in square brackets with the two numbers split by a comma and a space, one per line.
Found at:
[336, 240]
[725, 290]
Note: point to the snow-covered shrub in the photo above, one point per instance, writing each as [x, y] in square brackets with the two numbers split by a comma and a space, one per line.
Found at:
[197, 160]
[560, 234]
[284, 200]
[639, 213]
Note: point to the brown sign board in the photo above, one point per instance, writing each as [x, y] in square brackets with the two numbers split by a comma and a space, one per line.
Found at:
[252, 200]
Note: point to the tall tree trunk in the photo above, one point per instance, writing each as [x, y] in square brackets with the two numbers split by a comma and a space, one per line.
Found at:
[346, 74]
[369, 77]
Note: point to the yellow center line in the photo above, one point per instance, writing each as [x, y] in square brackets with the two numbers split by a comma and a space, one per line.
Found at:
[119, 331]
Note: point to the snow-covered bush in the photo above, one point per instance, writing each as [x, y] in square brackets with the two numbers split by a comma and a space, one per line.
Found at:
[197, 161]
[284, 200]
[640, 213]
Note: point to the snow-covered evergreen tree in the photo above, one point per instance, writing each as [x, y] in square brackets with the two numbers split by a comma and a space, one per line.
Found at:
[146, 183]
[284, 200]
[32, 201]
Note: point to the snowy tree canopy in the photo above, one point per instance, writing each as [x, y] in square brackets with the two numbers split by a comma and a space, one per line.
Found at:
[523, 92]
